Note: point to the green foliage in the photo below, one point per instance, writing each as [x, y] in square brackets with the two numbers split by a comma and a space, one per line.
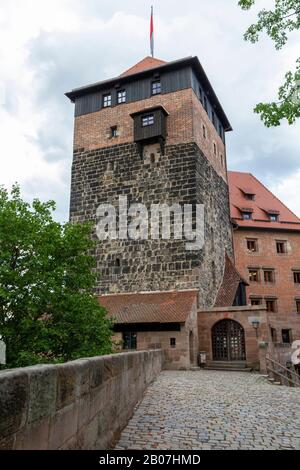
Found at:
[277, 23]
[48, 312]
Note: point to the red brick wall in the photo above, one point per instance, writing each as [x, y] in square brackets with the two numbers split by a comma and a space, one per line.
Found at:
[184, 124]
[284, 287]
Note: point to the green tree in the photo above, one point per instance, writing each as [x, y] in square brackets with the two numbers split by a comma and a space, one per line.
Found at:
[277, 23]
[48, 312]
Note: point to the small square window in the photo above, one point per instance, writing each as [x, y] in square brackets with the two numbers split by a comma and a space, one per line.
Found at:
[297, 277]
[107, 100]
[156, 87]
[286, 336]
[252, 245]
[200, 94]
[253, 275]
[121, 96]
[129, 340]
[148, 120]
[247, 215]
[213, 118]
[255, 301]
[269, 275]
[173, 342]
[271, 305]
[114, 131]
[281, 247]
[221, 131]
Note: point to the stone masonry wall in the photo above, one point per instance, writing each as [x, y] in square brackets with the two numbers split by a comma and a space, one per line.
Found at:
[183, 175]
[83, 404]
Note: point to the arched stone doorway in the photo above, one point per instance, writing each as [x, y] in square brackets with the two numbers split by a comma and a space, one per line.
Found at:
[228, 341]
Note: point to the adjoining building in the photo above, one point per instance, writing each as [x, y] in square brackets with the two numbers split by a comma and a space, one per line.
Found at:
[156, 135]
[267, 254]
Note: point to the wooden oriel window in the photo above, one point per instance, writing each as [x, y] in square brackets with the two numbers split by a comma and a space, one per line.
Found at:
[252, 245]
[148, 120]
[297, 277]
[269, 275]
[253, 275]
[271, 305]
[281, 247]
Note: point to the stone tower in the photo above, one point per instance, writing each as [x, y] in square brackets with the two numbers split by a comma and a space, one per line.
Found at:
[155, 134]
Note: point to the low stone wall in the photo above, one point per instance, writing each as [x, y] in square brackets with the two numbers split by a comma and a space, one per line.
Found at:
[82, 404]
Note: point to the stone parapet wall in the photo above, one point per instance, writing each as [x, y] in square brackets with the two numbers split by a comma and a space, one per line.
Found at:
[82, 404]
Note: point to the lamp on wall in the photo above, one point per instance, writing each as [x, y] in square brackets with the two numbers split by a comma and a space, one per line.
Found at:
[255, 324]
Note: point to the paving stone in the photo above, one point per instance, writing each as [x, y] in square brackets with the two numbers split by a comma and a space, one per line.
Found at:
[214, 410]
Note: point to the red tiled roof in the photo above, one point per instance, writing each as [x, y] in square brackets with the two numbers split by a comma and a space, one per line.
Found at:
[144, 64]
[228, 289]
[264, 203]
[150, 307]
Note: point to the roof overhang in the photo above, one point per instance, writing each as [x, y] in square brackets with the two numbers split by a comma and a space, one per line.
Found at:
[169, 66]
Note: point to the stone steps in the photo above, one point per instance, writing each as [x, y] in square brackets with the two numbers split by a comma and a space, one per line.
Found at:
[228, 369]
[232, 366]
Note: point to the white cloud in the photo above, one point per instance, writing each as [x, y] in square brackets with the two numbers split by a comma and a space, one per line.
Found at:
[51, 45]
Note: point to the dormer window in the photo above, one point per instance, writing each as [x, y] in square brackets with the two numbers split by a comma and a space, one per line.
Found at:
[247, 215]
[107, 100]
[121, 96]
[249, 197]
[148, 120]
[156, 87]
[201, 95]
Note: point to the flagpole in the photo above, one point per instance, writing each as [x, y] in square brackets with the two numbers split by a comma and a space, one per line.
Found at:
[152, 33]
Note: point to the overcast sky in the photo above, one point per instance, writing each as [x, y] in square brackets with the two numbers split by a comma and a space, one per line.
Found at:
[48, 47]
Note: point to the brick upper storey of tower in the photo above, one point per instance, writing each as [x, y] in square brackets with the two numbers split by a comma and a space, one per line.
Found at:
[181, 88]
[250, 197]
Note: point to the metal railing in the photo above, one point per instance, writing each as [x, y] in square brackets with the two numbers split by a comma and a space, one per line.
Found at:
[281, 373]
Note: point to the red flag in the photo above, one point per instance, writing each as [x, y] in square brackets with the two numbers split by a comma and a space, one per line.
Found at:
[152, 33]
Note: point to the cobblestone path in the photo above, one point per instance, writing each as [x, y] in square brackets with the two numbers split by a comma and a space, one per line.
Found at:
[214, 410]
